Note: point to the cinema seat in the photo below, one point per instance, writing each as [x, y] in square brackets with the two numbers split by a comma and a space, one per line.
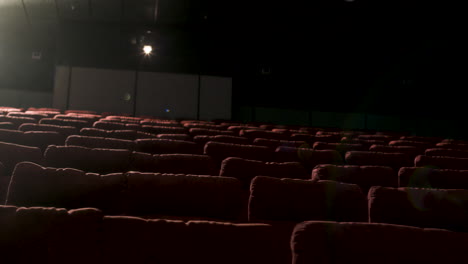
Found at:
[43, 139]
[12, 154]
[441, 162]
[119, 134]
[274, 143]
[156, 195]
[33, 185]
[408, 150]
[63, 130]
[309, 158]
[245, 170]
[427, 208]
[79, 124]
[99, 142]
[364, 176]
[185, 137]
[220, 151]
[88, 159]
[368, 243]
[255, 133]
[393, 160]
[167, 146]
[291, 200]
[445, 152]
[422, 177]
[202, 139]
[184, 164]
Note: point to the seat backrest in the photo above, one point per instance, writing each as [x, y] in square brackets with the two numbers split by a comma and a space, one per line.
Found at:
[185, 137]
[137, 240]
[34, 185]
[393, 160]
[255, 133]
[438, 162]
[202, 139]
[424, 177]
[99, 142]
[87, 159]
[50, 235]
[12, 154]
[364, 176]
[184, 164]
[64, 130]
[308, 157]
[445, 152]
[153, 129]
[434, 208]
[366, 243]
[115, 125]
[79, 124]
[409, 150]
[43, 139]
[273, 199]
[16, 120]
[156, 194]
[220, 151]
[167, 146]
[452, 145]
[385, 138]
[419, 144]
[11, 136]
[274, 143]
[245, 170]
[433, 140]
[210, 132]
[342, 148]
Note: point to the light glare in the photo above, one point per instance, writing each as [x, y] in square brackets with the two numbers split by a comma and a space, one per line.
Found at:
[147, 49]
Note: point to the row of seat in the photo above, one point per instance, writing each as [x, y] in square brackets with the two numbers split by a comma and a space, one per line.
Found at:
[54, 235]
[121, 160]
[270, 199]
[44, 138]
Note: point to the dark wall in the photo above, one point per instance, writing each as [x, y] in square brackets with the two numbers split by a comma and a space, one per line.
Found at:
[390, 57]
[18, 70]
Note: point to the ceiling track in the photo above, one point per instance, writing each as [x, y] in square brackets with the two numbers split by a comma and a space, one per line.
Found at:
[156, 8]
[28, 19]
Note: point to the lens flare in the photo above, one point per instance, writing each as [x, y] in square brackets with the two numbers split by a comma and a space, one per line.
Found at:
[147, 49]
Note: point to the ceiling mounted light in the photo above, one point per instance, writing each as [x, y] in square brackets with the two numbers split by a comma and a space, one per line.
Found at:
[147, 49]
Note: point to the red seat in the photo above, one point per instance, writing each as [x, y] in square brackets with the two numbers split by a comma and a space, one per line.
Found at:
[63, 130]
[429, 208]
[364, 176]
[167, 146]
[34, 185]
[441, 162]
[219, 151]
[12, 154]
[309, 158]
[99, 142]
[88, 159]
[370, 243]
[79, 124]
[245, 170]
[156, 195]
[456, 153]
[433, 178]
[393, 160]
[291, 200]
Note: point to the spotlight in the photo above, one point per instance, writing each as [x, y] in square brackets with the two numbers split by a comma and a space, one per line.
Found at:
[147, 49]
